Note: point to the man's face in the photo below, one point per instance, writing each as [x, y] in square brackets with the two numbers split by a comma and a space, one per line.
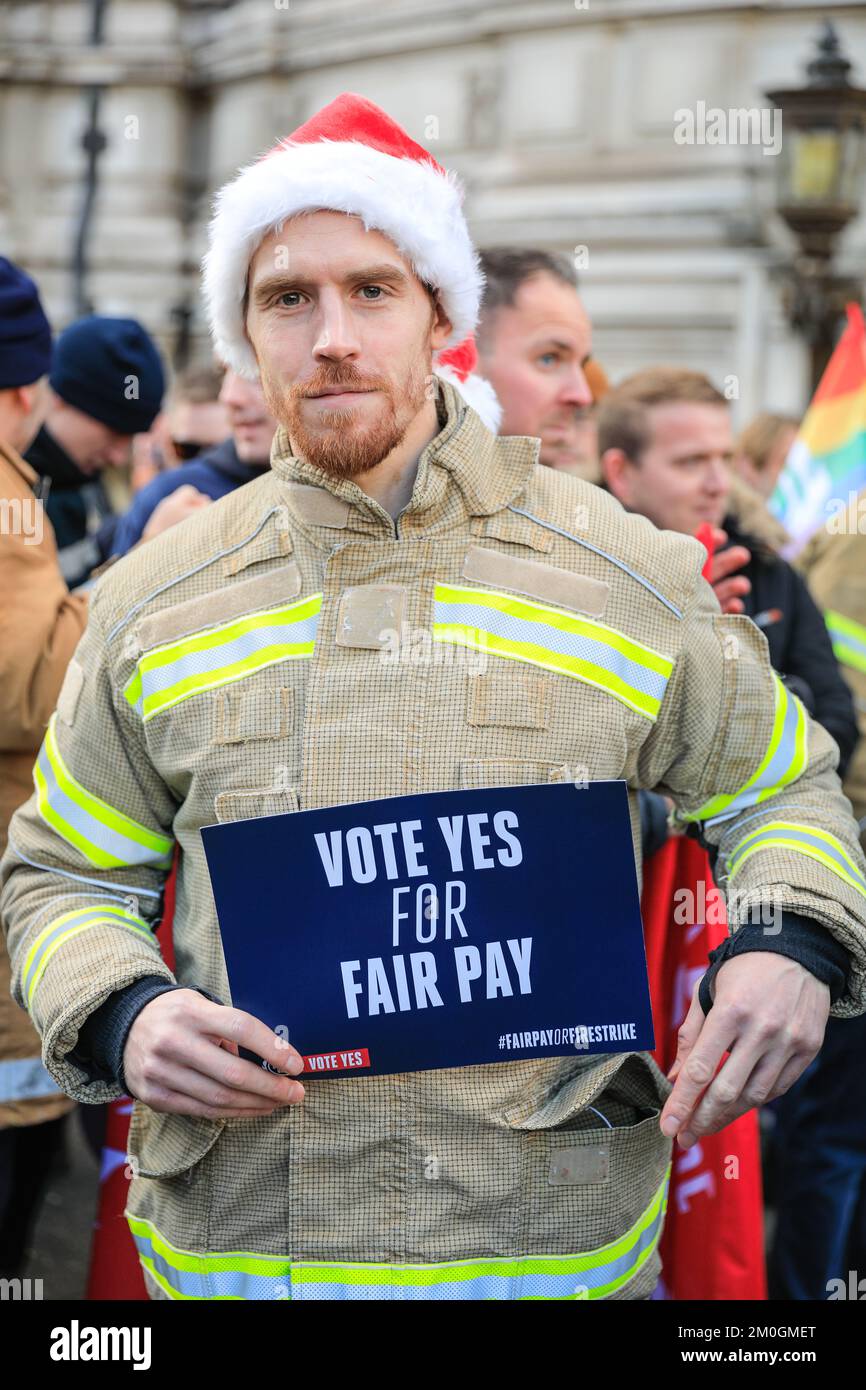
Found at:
[764, 480]
[88, 442]
[252, 426]
[196, 424]
[683, 477]
[343, 332]
[532, 353]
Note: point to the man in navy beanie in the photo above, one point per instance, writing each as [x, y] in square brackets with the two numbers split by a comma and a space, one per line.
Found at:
[106, 385]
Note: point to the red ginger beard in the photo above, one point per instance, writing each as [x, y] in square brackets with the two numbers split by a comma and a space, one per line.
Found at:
[339, 444]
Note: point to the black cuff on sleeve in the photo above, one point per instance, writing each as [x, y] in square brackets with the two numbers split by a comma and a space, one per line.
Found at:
[102, 1037]
[800, 938]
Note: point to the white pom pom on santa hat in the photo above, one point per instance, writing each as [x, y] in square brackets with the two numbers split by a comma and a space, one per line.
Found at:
[351, 157]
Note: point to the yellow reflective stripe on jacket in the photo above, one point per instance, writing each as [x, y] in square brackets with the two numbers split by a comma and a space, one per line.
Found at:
[558, 640]
[802, 839]
[784, 761]
[178, 670]
[69, 925]
[105, 836]
[243, 1275]
[848, 638]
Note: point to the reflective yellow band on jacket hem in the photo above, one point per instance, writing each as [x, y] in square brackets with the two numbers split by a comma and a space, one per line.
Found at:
[593, 1274]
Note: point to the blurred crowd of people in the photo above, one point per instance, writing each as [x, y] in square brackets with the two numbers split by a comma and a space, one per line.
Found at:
[90, 430]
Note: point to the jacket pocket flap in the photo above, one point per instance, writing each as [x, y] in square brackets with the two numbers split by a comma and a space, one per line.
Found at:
[162, 1145]
[241, 714]
[548, 583]
[247, 805]
[507, 700]
[220, 606]
[629, 1084]
[535, 1112]
[510, 772]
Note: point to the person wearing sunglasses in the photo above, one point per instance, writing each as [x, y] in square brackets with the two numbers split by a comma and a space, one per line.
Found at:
[207, 473]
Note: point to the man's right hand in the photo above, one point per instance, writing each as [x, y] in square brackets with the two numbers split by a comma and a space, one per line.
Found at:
[177, 506]
[181, 1057]
[728, 585]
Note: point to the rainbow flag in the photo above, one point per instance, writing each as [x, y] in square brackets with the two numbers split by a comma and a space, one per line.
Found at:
[826, 465]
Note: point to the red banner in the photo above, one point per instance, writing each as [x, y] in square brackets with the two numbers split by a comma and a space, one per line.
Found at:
[115, 1272]
[713, 1241]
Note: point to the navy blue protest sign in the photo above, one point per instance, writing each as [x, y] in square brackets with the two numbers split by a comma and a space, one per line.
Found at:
[440, 930]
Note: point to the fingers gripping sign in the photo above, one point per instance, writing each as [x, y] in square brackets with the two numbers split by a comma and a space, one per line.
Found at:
[769, 1013]
[182, 1057]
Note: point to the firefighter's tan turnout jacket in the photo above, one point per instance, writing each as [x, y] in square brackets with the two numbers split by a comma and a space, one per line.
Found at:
[245, 664]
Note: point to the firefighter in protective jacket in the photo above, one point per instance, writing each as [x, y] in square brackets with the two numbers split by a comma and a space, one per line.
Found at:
[233, 667]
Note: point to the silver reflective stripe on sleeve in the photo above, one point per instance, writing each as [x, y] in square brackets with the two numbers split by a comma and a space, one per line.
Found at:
[25, 1078]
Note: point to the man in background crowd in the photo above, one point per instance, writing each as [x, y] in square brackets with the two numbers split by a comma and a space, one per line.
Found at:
[761, 449]
[194, 419]
[106, 385]
[176, 494]
[196, 416]
[666, 452]
[535, 349]
[40, 624]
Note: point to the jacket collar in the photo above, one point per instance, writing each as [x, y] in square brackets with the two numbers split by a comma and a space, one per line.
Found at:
[224, 458]
[51, 459]
[489, 473]
[752, 518]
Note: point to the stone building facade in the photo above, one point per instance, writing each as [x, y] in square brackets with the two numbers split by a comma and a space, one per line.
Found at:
[560, 116]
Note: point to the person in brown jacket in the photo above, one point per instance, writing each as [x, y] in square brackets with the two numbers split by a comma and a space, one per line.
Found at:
[40, 624]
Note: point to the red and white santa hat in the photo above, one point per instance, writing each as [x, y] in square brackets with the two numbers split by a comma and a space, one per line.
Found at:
[351, 157]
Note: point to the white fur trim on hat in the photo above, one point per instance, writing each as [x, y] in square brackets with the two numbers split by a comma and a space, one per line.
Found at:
[414, 204]
[478, 394]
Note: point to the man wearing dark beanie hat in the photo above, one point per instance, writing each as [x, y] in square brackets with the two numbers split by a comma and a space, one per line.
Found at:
[40, 624]
[107, 384]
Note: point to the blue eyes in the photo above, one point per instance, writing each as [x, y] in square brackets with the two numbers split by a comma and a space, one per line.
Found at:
[295, 296]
